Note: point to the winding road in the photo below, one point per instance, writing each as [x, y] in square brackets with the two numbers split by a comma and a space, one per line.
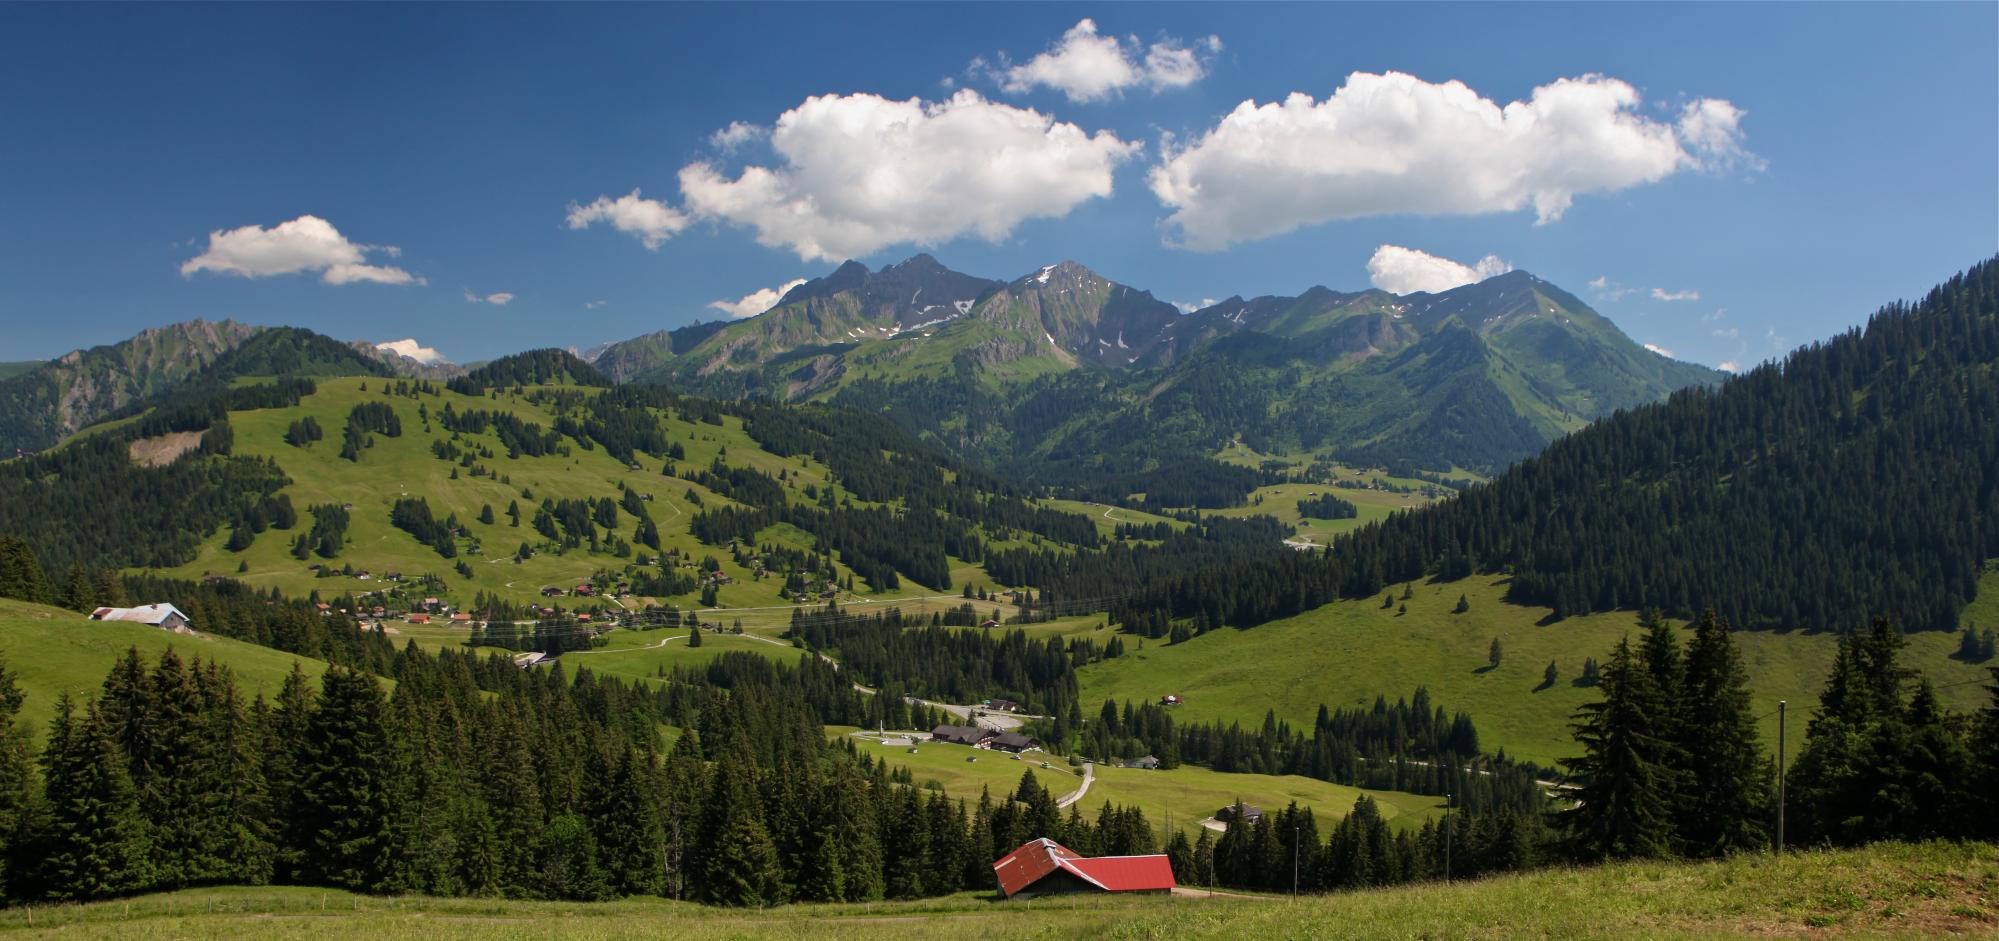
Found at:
[1089, 777]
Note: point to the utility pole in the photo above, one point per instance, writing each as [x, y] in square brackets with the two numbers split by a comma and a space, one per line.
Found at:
[1447, 836]
[1782, 721]
[1294, 861]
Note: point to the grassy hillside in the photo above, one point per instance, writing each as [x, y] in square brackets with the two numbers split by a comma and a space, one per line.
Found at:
[52, 651]
[10, 370]
[1178, 799]
[405, 466]
[1346, 654]
[1889, 891]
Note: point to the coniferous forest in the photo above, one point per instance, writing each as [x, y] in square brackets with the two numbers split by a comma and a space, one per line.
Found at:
[1857, 478]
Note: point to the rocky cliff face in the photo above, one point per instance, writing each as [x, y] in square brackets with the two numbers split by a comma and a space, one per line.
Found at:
[66, 394]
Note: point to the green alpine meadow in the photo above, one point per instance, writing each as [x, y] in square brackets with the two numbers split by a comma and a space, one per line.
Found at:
[864, 470]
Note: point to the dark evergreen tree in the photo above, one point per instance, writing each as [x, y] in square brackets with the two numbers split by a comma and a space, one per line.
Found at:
[96, 842]
[1624, 798]
[1728, 772]
[341, 805]
[20, 800]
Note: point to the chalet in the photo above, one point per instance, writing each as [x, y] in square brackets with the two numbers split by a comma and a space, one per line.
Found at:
[460, 617]
[325, 610]
[1002, 705]
[989, 623]
[551, 592]
[419, 619]
[392, 576]
[1045, 867]
[960, 734]
[430, 602]
[1147, 763]
[166, 617]
[1013, 742]
[1247, 813]
[1169, 700]
[584, 590]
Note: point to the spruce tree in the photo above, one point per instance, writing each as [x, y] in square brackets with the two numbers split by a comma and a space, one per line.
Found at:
[20, 802]
[96, 838]
[21, 574]
[1624, 805]
[1851, 782]
[341, 805]
[1985, 749]
[1204, 858]
[1728, 772]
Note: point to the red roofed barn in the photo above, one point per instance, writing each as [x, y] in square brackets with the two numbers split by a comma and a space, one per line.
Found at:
[1045, 867]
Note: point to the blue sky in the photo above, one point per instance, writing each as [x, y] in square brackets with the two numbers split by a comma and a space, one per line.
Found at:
[1850, 157]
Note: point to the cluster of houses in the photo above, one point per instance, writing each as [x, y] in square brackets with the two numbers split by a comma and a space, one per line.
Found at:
[982, 738]
[586, 590]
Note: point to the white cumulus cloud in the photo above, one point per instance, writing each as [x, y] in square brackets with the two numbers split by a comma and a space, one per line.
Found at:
[860, 172]
[1399, 270]
[500, 298]
[736, 135]
[1729, 365]
[1394, 143]
[1188, 307]
[1661, 294]
[755, 302]
[650, 221]
[1662, 351]
[1087, 66]
[307, 243]
[411, 348]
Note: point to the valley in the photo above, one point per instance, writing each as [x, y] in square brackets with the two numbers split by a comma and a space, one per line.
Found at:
[1257, 615]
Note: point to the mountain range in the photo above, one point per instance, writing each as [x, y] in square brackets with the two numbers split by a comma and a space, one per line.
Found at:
[1071, 373]
[1060, 376]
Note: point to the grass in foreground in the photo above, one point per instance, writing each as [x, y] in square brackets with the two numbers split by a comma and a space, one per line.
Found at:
[1891, 891]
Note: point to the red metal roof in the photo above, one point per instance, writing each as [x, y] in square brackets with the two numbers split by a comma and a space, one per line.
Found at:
[1028, 864]
[1124, 873]
[1037, 859]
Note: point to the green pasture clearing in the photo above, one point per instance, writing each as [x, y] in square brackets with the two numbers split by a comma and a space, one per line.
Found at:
[1348, 653]
[52, 651]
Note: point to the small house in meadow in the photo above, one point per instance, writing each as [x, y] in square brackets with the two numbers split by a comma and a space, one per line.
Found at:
[166, 617]
[1012, 741]
[1045, 867]
[1248, 813]
[959, 734]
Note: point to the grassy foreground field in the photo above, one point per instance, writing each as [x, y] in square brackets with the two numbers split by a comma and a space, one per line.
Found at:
[1926, 891]
[1347, 653]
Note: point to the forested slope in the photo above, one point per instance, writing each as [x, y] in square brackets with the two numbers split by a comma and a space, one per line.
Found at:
[1858, 477]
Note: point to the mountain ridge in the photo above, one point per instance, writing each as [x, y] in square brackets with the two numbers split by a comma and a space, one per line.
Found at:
[1375, 375]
